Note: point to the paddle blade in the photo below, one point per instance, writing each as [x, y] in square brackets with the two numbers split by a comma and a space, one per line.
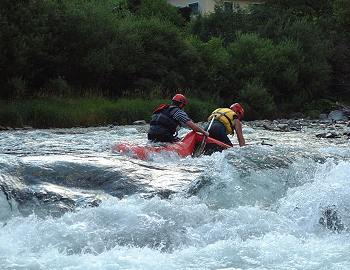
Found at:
[199, 150]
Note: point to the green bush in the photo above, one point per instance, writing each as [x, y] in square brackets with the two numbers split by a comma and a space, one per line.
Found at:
[57, 87]
[9, 115]
[342, 13]
[115, 48]
[210, 74]
[314, 71]
[321, 105]
[220, 24]
[253, 58]
[63, 112]
[199, 110]
[258, 101]
[164, 58]
[17, 87]
[159, 9]
[313, 114]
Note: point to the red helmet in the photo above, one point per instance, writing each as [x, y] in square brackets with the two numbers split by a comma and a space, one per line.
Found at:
[180, 98]
[237, 108]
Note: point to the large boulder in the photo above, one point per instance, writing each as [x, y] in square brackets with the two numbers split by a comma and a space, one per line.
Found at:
[337, 115]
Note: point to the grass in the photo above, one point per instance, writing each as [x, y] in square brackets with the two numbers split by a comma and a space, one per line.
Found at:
[72, 112]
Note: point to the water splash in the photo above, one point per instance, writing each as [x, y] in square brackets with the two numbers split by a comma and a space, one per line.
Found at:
[68, 202]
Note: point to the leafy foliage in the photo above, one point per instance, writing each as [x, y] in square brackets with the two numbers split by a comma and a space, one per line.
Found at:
[257, 100]
[68, 112]
[282, 53]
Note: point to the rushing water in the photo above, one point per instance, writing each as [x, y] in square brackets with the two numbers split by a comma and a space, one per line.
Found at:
[68, 202]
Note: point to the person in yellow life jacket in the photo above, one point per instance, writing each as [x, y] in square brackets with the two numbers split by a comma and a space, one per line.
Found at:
[227, 121]
[166, 118]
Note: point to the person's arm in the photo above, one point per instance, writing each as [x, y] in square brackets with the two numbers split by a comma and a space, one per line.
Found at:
[195, 127]
[239, 132]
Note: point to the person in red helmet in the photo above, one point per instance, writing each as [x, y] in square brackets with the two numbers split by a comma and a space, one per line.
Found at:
[227, 121]
[167, 118]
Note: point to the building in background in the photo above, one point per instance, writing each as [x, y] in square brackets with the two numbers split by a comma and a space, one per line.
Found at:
[207, 6]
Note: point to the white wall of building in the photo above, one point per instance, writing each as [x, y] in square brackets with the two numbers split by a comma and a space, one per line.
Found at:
[206, 6]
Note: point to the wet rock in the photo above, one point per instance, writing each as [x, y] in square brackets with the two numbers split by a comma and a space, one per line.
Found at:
[267, 127]
[93, 203]
[3, 128]
[337, 115]
[328, 135]
[284, 127]
[27, 127]
[113, 125]
[325, 128]
[139, 122]
[295, 126]
[276, 126]
[331, 220]
[325, 121]
[248, 130]
[339, 125]
[165, 194]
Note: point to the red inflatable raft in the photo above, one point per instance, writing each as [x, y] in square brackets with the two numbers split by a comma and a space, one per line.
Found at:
[183, 148]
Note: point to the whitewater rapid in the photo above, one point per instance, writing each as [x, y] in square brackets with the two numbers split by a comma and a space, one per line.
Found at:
[68, 202]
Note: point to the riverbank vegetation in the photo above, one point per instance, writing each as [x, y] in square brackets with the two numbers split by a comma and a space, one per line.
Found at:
[84, 112]
[277, 58]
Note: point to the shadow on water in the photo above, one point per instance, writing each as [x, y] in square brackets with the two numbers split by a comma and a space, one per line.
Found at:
[53, 188]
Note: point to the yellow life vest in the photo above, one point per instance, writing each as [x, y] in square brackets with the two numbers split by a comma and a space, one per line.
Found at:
[225, 116]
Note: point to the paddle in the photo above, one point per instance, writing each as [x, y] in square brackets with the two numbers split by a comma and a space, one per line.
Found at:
[199, 151]
[255, 143]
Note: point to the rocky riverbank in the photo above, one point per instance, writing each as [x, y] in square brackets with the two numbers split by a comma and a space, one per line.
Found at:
[323, 128]
[334, 125]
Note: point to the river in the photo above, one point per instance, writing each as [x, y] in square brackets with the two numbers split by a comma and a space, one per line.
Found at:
[68, 202]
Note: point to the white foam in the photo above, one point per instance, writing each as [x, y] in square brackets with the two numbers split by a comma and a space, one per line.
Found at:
[196, 237]
[330, 188]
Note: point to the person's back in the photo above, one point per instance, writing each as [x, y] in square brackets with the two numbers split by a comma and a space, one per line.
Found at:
[227, 121]
[163, 125]
[166, 119]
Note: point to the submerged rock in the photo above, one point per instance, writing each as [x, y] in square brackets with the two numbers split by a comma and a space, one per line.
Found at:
[331, 220]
